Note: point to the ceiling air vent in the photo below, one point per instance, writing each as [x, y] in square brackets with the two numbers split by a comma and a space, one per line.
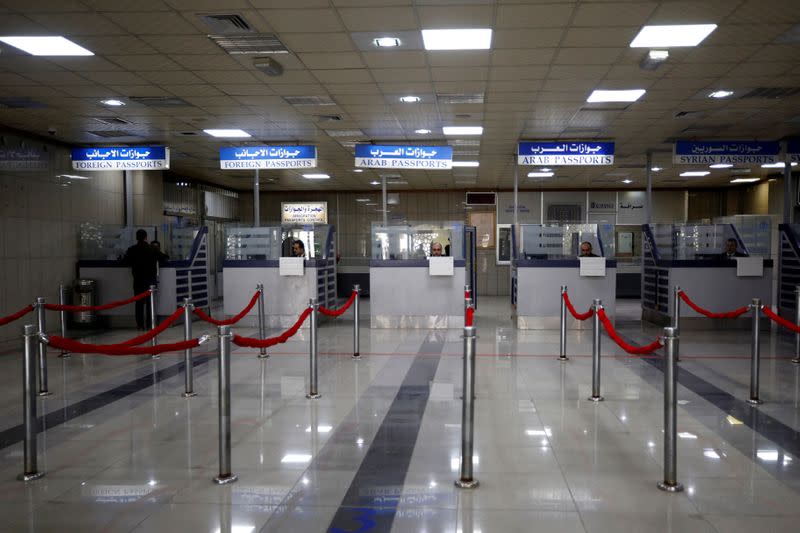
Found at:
[112, 121]
[20, 103]
[110, 134]
[309, 100]
[772, 93]
[446, 98]
[159, 101]
[226, 23]
[251, 43]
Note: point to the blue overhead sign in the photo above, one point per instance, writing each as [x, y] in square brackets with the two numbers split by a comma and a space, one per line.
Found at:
[23, 159]
[121, 158]
[793, 150]
[256, 157]
[730, 152]
[552, 154]
[408, 157]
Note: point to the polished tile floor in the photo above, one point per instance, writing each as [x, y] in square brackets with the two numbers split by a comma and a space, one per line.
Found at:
[123, 451]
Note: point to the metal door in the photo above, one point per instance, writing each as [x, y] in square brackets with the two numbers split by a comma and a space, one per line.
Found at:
[471, 264]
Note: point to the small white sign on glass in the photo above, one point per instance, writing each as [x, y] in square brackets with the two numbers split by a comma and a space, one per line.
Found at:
[749, 267]
[593, 267]
[440, 266]
[291, 266]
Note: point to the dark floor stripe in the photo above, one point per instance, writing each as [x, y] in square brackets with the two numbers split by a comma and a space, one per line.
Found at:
[16, 434]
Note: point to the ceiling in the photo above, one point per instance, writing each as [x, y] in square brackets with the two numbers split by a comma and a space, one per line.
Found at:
[545, 59]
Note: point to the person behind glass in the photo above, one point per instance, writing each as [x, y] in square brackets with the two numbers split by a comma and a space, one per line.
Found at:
[436, 249]
[298, 249]
[143, 259]
[586, 250]
[731, 250]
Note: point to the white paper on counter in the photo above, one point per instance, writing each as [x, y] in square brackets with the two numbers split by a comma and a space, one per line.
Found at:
[440, 266]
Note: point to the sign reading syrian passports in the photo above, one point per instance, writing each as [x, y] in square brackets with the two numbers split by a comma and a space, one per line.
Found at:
[554, 154]
[726, 152]
[121, 158]
[404, 157]
[264, 157]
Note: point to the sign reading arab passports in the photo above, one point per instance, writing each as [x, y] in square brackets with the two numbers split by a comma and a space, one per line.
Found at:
[121, 158]
[258, 157]
[304, 212]
[408, 157]
[730, 152]
[553, 154]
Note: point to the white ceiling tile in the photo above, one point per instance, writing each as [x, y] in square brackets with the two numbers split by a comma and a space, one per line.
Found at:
[448, 17]
[378, 18]
[334, 60]
[587, 56]
[317, 42]
[224, 76]
[302, 20]
[343, 76]
[205, 62]
[182, 44]
[541, 38]
[534, 16]
[459, 74]
[146, 62]
[401, 75]
[144, 23]
[603, 37]
[690, 12]
[518, 73]
[170, 77]
[395, 59]
[513, 57]
[459, 58]
[613, 13]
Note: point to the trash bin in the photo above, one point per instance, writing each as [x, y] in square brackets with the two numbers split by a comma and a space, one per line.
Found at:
[84, 294]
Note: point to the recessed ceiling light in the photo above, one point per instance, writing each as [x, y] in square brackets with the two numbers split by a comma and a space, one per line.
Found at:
[410, 99]
[72, 177]
[672, 35]
[656, 169]
[720, 94]
[373, 182]
[358, 170]
[466, 39]
[776, 165]
[545, 169]
[231, 133]
[658, 55]
[316, 176]
[615, 96]
[627, 181]
[462, 130]
[720, 165]
[386, 42]
[745, 180]
[47, 46]
[654, 59]
[465, 163]
[540, 174]
[695, 173]
[362, 199]
[112, 102]
[422, 131]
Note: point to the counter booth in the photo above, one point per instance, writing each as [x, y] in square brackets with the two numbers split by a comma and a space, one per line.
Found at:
[411, 289]
[264, 255]
[694, 257]
[545, 257]
[185, 274]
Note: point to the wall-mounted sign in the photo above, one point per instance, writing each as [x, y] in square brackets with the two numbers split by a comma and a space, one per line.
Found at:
[257, 157]
[554, 154]
[25, 159]
[121, 158]
[730, 152]
[793, 150]
[409, 157]
[304, 212]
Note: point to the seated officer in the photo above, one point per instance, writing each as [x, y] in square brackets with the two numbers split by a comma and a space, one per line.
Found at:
[436, 249]
[731, 250]
[586, 250]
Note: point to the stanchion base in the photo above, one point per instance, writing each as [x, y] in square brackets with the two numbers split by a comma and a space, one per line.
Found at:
[188, 394]
[754, 401]
[64, 355]
[466, 484]
[796, 361]
[30, 477]
[263, 356]
[669, 487]
[356, 356]
[44, 393]
[155, 357]
[225, 479]
[563, 358]
[595, 398]
[314, 396]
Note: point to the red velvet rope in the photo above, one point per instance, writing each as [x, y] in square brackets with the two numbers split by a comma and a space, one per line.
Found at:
[631, 349]
[233, 320]
[730, 314]
[70, 345]
[15, 316]
[341, 310]
[155, 331]
[779, 320]
[470, 317]
[266, 343]
[111, 305]
[578, 316]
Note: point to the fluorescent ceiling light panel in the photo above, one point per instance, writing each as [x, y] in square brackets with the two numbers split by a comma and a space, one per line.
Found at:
[776, 165]
[422, 131]
[47, 46]
[720, 94]
[410, 99]
[658, 55]
[228, 133]
[462, 130]
[626, 182]
[373, 182]
[720, 165]
[466, 39]
[672, 35]
[745, 180]
[72, 177]
[540, 174]
[466, 163]
[599, 95]
[656, 169]
[362, 199]
[386, 42]
[112, 102]
[358, 170]
[695, 173]
[316, 176]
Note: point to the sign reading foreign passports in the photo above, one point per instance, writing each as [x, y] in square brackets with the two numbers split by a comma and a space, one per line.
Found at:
[728, 152]
[121, 158]
[404, 157]
[553, 154]
[260, 157]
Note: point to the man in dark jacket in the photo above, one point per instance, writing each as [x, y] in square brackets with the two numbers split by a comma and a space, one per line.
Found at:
[143, 259]
[731, 250]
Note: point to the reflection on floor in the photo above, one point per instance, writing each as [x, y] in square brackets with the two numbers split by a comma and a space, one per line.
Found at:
[123, 451]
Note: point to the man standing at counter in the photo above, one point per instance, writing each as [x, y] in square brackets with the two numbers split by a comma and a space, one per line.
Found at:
[143, 260]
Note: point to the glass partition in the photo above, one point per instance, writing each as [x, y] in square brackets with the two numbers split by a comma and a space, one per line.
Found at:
[177, 241]
[108, 241]
[414, 241]
[318, 241]
[563, 241]
[273, 242]
[693, 241]
[755, 231]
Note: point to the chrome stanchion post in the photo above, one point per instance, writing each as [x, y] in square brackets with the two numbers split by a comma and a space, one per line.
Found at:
[29, 420]
[62, 315]
[313, 393]
[188, 372]
[42, 330]
[466, 481]
[596, 306]
[356, 323]
[796, 359]
[153, 291]
[262, 352]
[562, 346]
[224, 384]
[755, 354]
[676, 319]
[670, 482]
